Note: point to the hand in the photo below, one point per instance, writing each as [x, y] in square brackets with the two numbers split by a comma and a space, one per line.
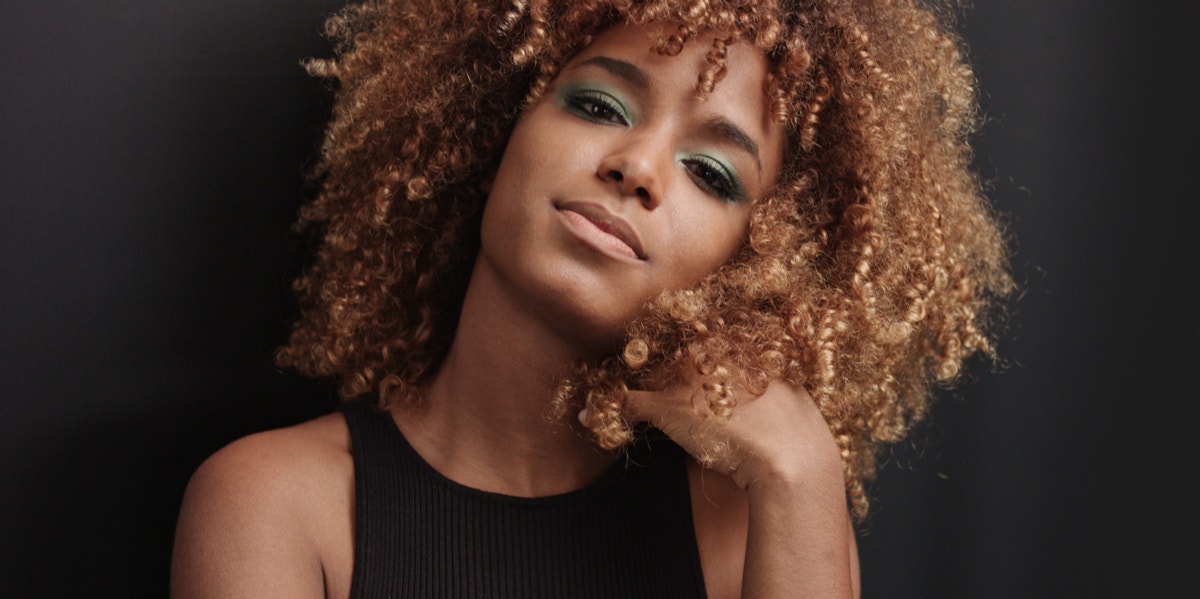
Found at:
[777, 437]
[778, 448]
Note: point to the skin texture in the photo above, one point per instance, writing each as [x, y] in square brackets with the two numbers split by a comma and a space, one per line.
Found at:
[271, 515]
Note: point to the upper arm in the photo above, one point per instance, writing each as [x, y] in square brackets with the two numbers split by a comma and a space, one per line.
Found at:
[241, 530]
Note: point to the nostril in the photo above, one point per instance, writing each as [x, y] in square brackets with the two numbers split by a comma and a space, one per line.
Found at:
[643, 194]
[617, 176]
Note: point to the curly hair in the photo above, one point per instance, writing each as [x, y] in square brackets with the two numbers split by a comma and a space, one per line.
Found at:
[872, 272]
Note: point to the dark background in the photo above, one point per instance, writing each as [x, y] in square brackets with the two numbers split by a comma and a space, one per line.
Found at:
[152, 159]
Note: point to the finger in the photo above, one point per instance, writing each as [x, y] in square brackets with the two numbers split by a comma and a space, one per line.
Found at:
[652, 407]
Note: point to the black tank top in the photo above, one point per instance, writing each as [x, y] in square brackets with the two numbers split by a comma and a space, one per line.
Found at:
[420, 534]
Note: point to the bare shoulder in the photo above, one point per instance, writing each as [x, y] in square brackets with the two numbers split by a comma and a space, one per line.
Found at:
[270, 514]
[288, 456]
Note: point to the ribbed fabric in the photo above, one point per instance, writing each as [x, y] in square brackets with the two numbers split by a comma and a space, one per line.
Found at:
[421, 535]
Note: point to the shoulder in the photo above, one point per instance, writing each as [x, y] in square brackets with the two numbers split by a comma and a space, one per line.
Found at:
[269, 509]
[287, 468]
[284, 456]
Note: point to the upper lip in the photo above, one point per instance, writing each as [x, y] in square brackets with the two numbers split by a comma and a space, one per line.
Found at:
[608, 222]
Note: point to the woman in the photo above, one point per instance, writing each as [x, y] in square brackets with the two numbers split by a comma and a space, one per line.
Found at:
[622, 297]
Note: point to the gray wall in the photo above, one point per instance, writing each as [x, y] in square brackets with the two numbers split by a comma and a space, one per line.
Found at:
[151, 161]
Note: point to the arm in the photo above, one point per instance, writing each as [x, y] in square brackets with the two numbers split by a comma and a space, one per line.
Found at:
[241, 529]
[799, 543]
[784, 468]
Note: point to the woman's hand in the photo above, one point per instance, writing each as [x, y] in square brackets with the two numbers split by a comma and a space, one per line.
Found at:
[777, 438]
[778, 448]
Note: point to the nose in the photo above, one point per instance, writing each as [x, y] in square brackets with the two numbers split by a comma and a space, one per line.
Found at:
[635, 170]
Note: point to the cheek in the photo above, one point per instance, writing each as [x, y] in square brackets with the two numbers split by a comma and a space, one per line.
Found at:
[542, 148]
[709, 238]
[514, 164]
[727, 226]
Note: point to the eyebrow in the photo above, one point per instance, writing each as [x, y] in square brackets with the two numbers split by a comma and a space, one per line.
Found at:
[725, 128]
[620, 68]
[720, 126]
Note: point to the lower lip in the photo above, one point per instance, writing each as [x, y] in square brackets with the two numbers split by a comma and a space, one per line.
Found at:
[598, 238]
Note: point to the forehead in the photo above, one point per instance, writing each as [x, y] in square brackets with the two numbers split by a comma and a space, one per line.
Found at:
[739, 72]
[638, 42]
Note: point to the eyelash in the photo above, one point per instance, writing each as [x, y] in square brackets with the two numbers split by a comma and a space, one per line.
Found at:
[715, 178]
[709, 174]
[585, 102]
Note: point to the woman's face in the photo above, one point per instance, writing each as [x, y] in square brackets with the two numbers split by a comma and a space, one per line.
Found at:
[620, 184]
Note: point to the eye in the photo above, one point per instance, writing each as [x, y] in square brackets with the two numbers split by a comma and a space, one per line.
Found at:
[596, 106]
[715, 178]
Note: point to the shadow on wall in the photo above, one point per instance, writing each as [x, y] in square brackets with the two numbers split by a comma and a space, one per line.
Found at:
[96, 503]
[152, 163]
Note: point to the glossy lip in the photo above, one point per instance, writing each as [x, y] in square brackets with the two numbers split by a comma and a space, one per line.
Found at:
[607, 222]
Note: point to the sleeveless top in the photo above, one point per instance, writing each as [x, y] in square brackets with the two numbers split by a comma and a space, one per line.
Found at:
[420, 534]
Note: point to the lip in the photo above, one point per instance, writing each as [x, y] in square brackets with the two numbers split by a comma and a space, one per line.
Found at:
[604, 229]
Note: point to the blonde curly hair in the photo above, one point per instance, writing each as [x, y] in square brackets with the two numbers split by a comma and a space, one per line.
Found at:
[871, 273]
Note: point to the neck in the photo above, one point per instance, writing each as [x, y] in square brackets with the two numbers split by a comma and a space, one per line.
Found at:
[483, 418]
